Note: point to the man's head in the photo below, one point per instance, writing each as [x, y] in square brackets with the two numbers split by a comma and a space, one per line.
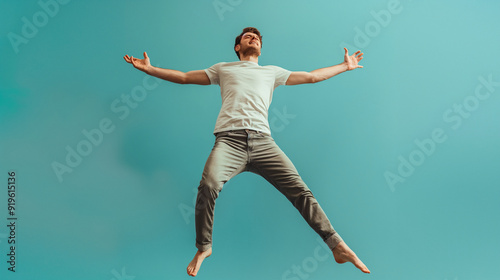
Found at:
[249, 42]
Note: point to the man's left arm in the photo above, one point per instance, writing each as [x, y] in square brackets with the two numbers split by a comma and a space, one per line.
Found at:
[318, 75]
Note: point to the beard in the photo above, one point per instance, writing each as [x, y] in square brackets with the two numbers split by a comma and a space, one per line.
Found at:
[250, 51]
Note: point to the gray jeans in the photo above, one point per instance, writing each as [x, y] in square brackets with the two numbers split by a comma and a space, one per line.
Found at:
[247, 150]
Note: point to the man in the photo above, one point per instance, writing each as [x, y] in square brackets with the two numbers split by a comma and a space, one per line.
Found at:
[243, 137]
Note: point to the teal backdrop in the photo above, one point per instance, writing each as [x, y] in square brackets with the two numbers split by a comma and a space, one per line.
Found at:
[102, 163]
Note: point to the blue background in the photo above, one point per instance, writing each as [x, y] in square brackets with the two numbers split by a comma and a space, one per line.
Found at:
[125, 210]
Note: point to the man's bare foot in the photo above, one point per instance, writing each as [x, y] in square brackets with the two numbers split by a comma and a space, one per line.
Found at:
[195, 264]
[342, 253]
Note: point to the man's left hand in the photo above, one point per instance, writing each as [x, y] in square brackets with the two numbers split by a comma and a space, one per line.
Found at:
[353, 60]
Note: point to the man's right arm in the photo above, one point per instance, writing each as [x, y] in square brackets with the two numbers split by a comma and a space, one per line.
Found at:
[198, 77]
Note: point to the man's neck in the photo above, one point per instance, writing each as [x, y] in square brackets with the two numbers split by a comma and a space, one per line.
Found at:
[251, 58]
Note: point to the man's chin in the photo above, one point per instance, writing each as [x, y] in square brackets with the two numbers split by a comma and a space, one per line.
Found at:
[251, 52]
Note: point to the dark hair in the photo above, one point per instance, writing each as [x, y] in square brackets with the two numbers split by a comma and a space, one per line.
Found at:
[245, 30]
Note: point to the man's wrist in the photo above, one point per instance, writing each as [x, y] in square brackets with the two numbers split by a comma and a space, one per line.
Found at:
[345, 67]
[148, 70]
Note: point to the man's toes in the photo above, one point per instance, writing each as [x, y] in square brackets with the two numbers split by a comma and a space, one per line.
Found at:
[365, 270]
[361, 266]
[191, 270]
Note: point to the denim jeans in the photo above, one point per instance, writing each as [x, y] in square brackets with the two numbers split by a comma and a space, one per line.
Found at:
[247, 150]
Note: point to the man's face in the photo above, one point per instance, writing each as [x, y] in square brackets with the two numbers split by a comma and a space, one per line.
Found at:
[251, 39]
[249, 44]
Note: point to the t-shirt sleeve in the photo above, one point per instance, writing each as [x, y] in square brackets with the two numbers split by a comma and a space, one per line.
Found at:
[213, 73]
[281, 76]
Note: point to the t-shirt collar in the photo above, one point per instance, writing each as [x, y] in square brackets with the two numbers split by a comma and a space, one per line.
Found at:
[249, 61]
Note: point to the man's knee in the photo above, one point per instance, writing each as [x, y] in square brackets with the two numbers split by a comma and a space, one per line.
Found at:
[305, 193]
[208, 190]
[209, 184]
[301, 194]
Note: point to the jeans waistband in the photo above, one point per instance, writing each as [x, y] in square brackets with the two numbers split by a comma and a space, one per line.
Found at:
[242, 131]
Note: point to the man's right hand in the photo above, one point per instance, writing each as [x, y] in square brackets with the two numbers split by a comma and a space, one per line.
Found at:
[198, 77]
[141, 64]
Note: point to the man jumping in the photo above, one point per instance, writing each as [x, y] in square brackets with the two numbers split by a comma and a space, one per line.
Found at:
[243, 140]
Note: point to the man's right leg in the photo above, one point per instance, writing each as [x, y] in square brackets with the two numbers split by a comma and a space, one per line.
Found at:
[228, 158]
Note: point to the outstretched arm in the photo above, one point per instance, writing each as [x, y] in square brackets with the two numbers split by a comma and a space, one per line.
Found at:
[198, 77]
[318, 75]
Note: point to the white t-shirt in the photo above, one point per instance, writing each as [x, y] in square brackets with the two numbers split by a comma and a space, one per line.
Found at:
[246, 91]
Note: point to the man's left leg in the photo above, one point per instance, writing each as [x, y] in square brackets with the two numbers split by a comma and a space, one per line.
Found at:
[269, 161]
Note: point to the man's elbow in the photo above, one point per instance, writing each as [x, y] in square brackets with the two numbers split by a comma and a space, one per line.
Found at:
[183, 79]
[315, 79]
